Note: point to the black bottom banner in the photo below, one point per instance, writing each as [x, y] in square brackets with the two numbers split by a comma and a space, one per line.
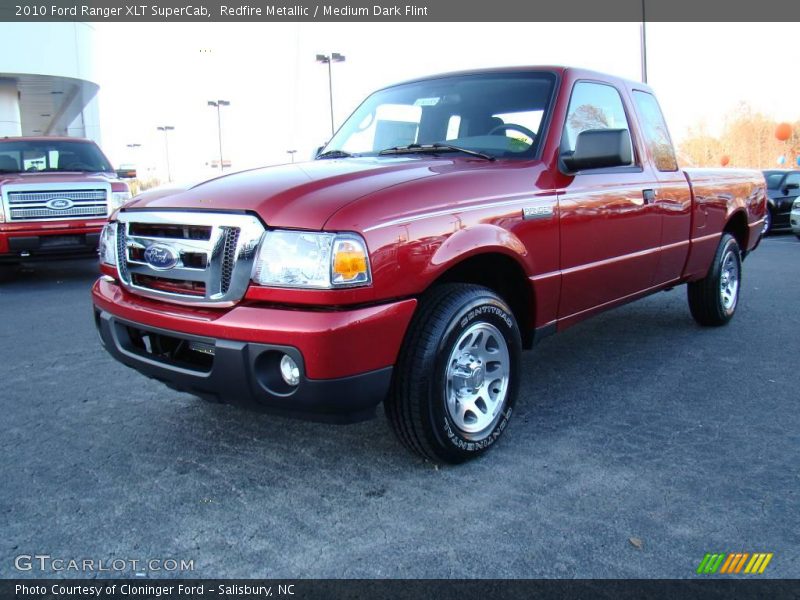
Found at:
[412, 589]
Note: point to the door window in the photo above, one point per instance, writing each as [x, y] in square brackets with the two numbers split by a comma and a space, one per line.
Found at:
[593, 106]
[792, 178]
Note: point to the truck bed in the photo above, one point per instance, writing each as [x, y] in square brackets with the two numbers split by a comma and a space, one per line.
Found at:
[718, 195]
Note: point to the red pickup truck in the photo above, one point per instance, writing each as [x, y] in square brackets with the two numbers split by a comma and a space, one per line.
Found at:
[57, 194]
[451, 222]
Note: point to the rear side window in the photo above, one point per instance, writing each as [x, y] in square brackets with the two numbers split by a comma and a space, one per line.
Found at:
[656, 135]
[792, 178]
[593, 106]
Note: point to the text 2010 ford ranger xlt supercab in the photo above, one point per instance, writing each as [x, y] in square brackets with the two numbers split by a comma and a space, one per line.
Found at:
[57, 194]
[450, 223]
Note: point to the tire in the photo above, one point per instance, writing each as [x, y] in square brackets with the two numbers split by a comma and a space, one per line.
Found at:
[463, 345]
[713, 300]
[767, 223]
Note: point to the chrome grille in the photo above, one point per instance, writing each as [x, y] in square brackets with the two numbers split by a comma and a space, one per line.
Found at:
[229, 256]
[122, 265]
[75, 195]
[32, 205]
[211, 270]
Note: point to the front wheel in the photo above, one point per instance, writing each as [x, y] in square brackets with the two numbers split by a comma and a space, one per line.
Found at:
[767, 223]
[456, 379]
[713, 299]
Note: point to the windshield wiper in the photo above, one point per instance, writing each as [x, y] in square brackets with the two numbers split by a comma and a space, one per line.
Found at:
[335, 154]
[433, 148]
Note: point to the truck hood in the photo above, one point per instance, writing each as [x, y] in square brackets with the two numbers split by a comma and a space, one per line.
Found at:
[61, 177]
[302, 195]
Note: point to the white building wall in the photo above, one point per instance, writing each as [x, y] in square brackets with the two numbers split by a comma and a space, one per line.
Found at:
[55, 49]
[39, 58]
[9, 108]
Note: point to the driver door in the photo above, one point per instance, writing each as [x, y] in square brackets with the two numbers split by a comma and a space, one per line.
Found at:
[610, 228]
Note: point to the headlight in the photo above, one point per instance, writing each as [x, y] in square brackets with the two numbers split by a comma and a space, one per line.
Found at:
[108, 244]
[311, 260]
[117, 200]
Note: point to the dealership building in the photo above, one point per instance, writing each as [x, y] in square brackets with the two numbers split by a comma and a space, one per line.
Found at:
[47, 83]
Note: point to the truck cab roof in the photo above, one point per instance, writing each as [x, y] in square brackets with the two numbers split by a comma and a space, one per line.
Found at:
[44, 138]
[560, 70]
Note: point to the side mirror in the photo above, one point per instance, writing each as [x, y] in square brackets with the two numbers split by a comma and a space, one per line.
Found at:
[126, 173]
[790, 186]
[599, 149]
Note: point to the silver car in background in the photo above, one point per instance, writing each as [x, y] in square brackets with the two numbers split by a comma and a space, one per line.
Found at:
[794, 218]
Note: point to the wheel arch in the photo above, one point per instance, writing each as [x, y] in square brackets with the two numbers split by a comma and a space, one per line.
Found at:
[497, 266]
[736, 225]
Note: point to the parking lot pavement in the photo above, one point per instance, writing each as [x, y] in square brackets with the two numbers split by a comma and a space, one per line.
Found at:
[637, 424]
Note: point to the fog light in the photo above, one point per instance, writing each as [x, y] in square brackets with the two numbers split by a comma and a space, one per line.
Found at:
[289, 370]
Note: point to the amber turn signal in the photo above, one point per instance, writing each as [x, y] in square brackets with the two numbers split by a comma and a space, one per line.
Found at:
[350, 263]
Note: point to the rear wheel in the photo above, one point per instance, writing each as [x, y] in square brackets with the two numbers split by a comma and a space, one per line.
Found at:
[456, 379]
[713, 300]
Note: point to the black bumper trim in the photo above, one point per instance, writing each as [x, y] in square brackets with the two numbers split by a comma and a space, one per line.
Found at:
[51, 246]
[239, 376]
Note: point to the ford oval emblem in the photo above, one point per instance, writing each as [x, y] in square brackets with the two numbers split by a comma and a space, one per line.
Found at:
[160, 257]
[59, 203]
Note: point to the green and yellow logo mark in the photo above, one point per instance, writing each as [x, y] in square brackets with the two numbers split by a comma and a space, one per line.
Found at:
[734, 563]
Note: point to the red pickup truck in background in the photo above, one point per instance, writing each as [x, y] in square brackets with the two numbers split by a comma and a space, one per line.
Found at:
[451, 222]
[57, 194]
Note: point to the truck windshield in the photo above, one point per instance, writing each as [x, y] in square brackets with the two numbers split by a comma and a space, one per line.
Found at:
[498, 114]
[28, 156]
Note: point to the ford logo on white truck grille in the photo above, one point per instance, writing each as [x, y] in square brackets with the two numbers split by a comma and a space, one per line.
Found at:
[59, 204]
[160, 257]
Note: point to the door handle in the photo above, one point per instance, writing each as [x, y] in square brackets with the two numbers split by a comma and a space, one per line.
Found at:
[649, 196]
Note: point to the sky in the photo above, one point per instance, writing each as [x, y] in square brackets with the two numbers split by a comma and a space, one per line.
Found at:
[165, 73]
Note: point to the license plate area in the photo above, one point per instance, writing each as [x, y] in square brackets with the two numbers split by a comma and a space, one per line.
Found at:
[171, 350]
[61, 241]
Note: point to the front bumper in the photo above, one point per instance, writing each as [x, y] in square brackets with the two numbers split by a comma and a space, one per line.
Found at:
[19, 241]
[345, 358]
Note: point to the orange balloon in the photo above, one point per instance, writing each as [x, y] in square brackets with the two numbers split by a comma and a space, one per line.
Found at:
[783, 131]
[725, 160]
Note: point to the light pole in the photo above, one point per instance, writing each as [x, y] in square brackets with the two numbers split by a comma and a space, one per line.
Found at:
[218, 104]
[166, 129]
[644, 44]
[327, 60]
[291, 153]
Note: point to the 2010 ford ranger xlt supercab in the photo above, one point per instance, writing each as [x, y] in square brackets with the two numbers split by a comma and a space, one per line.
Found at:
[451, 222]
[57, 194]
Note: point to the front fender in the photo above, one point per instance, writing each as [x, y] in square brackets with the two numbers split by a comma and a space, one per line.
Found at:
[478, 239]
